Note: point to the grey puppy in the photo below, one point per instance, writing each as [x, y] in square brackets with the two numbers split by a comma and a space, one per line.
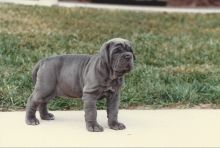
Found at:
[90, 77]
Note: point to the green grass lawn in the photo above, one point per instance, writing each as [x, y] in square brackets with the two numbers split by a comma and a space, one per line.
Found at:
[178, 55]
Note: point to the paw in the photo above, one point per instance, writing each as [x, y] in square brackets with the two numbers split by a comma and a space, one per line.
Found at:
[116, 125]
[93, 127]
[48, 116]
[32, 121]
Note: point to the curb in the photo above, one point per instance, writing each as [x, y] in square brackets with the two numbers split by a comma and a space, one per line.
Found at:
[50, 3]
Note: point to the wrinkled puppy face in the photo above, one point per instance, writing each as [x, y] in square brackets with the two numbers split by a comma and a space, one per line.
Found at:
[119, 54]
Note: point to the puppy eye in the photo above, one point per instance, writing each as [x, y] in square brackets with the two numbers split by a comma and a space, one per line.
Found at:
[119, 50]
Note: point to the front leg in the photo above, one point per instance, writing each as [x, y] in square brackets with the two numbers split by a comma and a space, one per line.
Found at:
[91, 115]
[112, 113]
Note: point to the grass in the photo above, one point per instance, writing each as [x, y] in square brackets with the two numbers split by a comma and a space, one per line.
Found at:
[178, 55]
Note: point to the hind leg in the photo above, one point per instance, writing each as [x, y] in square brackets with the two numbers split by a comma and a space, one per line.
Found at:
[37, 100]
[44, 114]
[31, 109]
[43, 91]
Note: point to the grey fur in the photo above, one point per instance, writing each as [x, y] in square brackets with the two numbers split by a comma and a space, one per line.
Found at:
[90, 77]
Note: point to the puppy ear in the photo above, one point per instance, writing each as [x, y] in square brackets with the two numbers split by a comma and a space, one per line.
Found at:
[105, 52]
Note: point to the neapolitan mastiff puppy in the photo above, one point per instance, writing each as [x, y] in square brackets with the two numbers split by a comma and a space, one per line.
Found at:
[90, 77]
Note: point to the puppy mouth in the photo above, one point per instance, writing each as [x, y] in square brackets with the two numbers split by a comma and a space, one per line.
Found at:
[129, 67]
[121, 67]
[122, 72]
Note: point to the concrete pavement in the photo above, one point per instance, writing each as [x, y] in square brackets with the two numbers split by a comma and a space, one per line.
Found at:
[154, 128]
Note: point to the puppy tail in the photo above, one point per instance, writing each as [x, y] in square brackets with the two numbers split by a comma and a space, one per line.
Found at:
[34, 72]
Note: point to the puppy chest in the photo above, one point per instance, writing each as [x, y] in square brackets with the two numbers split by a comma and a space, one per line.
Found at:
[112, 88]
[109, 92]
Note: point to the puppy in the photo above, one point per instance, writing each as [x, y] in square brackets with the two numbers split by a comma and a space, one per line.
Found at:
[90, 77]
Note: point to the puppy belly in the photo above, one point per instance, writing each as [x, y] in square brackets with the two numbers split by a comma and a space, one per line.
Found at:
[69, 91]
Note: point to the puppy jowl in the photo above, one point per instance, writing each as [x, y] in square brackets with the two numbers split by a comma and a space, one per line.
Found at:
[90, 77]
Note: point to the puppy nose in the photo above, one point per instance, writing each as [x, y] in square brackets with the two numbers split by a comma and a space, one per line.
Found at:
[128, 57]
